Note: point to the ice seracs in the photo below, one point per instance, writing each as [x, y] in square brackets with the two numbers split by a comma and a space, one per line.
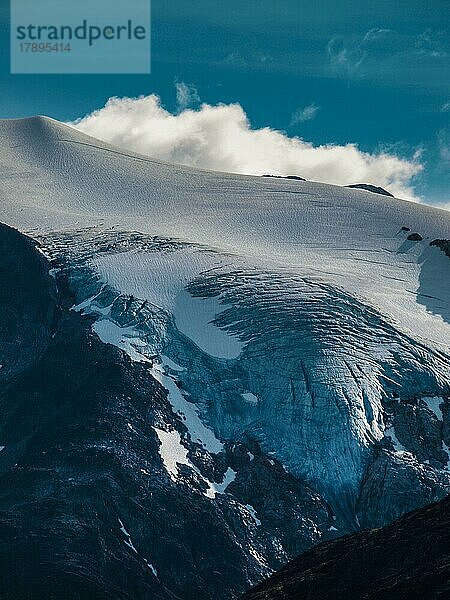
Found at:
[161, 278]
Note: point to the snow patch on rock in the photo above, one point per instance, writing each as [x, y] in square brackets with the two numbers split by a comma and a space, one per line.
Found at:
[390, 433]
[434, 404]
[197, 430]
[249, 397]
[252, 512]
[172, 452]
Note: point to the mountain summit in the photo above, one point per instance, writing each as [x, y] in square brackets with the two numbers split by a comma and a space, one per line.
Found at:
[218, 372]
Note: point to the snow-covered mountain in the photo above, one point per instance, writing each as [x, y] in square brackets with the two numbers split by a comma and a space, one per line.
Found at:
[298, 333]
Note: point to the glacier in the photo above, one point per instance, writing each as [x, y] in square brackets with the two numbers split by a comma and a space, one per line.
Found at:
[293, 317]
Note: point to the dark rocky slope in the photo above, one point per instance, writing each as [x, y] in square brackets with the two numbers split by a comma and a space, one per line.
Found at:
[444, 245]
[26, 323]
[370, 188]
[409, 559]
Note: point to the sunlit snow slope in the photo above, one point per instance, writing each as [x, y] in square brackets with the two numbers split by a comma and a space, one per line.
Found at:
[295, 313]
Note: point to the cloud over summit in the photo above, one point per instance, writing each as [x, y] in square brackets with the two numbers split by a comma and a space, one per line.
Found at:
[221, 138]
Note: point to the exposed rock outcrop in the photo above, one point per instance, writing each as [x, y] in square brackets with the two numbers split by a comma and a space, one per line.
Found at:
[370, 188]
[444, 245]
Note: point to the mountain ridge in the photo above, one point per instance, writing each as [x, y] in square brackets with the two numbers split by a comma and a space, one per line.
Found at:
[287, 341]
[55, 125]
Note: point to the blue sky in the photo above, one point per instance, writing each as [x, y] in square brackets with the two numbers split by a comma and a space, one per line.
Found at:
[372, 72]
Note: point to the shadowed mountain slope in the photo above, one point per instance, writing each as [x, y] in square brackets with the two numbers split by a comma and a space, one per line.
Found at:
[409, 559]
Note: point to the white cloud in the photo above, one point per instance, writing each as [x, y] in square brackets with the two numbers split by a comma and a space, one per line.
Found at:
[431, 43]
[443, 139]
[345, 56]
[376, 34]
[304, 114]
[187, 95]
[387, 55]
[221, 138]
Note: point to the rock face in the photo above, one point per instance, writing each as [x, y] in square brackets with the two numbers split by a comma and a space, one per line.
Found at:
[25, 326]
[414, 237]
[444, 245]
[294, 177]
[371, 188]
[408, 559]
